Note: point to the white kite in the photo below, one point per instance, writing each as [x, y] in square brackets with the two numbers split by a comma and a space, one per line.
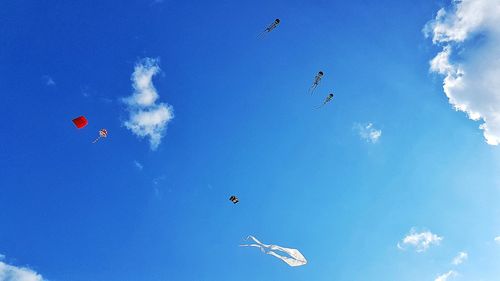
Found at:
[295, 257]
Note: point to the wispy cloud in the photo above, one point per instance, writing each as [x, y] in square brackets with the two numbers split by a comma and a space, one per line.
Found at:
[147, 118]
[157, 193]
[158, 186]
[497, 239]
[85, 91]
[15, 273]
[469, 34]
[138, 165]
[159, 179]
[368, 132]
[420, 241]
[448, 275]
[460, 258]
[48, 80]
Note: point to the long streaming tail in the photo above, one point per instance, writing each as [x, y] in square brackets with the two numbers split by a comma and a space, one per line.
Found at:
[313, 88]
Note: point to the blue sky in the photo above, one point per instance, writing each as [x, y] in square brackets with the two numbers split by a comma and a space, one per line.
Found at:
[243, 123]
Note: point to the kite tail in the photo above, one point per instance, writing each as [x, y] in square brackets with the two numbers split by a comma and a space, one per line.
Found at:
[254, 245]
[258, 243]
[96, 140]
[313, 87]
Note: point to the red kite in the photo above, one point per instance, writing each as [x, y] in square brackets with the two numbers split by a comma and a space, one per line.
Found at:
[80, 122]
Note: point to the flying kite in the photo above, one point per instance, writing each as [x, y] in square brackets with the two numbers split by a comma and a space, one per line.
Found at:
[80, 122]
[102, 134]
[270, 27]
[234, 199]
[327, 100]
[294, 258]
[315, 84]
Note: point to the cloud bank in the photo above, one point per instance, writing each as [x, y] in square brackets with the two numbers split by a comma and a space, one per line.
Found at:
[420, 241]
[368, 132]
[469, 34]
[14, 273]
[147, 118]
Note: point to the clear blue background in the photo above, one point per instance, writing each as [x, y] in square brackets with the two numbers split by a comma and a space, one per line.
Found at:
[245, 125]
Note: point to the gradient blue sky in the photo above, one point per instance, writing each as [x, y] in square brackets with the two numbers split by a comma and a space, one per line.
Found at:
[245, 125]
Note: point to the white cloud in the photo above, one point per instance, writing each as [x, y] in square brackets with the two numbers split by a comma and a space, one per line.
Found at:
[368, 132]
[138, 165]
[158, 180]
[460, 258]
[450, 274]
[497, 239]
[14, 273]
[157, 192]
[48, 80]
[469, 33]
[147, 117]
[420, 241]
